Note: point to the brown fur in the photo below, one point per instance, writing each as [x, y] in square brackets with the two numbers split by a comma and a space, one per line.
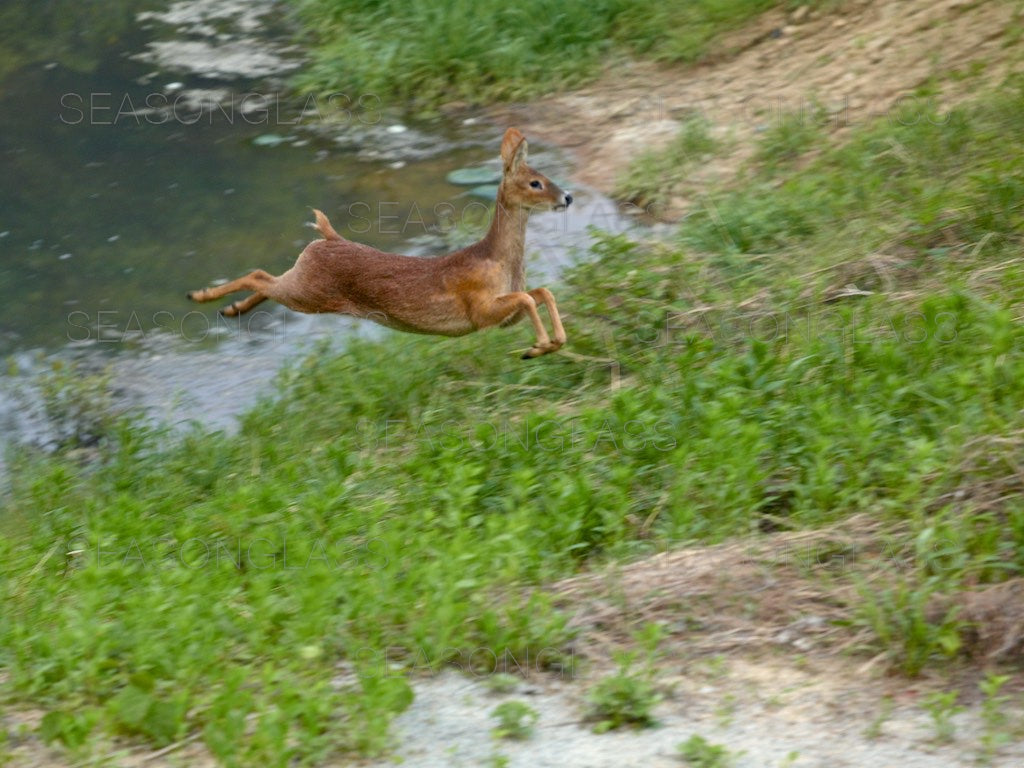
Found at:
[476, 287]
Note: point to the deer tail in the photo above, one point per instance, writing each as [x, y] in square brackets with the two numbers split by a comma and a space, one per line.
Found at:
[323, 226]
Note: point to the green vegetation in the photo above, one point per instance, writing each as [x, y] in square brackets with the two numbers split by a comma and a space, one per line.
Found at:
[684, 30]
[942, 707]
[424, 52]
[919, 182]
[501, 682]
[874, 728]
[628, 697]
[701, 753]
[80, 406]
[655, 173]
[898, 616]
[994, 733]
[787, 136]
[400, 507]
[515, 720]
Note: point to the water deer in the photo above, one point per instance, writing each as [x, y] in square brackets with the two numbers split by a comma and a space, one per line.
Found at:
[479, 286]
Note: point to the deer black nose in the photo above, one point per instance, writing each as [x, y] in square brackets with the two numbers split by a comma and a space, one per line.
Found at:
[568, 199]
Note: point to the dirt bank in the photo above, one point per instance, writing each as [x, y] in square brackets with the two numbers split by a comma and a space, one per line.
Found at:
[856, 61]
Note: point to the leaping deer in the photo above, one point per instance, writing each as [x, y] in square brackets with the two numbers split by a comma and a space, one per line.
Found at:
[476, 287]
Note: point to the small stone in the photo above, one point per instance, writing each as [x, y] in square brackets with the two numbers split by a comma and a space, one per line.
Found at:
[799, 14]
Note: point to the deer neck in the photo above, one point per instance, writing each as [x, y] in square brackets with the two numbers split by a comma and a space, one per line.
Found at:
[505, 241]
[506, 237]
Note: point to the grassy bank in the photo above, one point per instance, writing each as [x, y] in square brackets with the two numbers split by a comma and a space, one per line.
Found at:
[400, 507]
[424, 53]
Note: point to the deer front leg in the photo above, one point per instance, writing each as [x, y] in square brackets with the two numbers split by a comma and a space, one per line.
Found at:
[545, 297]
[495, 310]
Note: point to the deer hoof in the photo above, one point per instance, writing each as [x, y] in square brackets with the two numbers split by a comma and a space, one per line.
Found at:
[538, 350]
[230, 310]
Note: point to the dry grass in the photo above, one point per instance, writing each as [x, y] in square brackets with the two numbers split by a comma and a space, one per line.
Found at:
[785, 589]
[790, 591]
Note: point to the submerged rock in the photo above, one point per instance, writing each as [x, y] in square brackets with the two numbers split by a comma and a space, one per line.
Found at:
[474, 176]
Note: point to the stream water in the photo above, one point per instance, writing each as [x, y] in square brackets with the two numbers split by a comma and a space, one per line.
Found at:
[165, 161]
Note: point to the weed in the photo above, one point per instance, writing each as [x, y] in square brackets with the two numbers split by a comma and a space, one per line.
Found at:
[943, 707]
[501, 682]
[789, 135]
[716, 667]
[515, 720]
[874, 729]
[680, 32]
[899, 617]
[994, 734]
[626, 698]
[726, 710]
[629, 696]
[654, 175]
[701, 753]
[6, 754]
[80, 406]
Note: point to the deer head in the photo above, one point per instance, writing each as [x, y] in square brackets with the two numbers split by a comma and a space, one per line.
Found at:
[521, 185]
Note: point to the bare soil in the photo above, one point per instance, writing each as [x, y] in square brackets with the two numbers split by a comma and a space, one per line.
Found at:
[857, 61]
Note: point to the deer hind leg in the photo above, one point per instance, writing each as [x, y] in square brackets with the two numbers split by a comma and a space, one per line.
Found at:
[496, 310]
[241, 307]
[258, 281]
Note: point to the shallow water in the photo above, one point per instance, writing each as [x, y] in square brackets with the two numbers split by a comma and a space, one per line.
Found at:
[166, 163]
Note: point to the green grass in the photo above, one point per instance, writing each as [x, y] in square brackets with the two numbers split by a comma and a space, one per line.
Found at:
[424, 52]
[400, 506]
[655, 173]
[688, 30]
[515, 720]
[701, 753]
[918, 182]
[787, 136]
[628, 696]
[942, 707]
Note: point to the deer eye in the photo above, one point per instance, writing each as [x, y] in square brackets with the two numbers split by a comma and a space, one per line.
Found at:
[536, 184]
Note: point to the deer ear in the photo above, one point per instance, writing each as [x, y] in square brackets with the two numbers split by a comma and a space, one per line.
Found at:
[513, 149]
